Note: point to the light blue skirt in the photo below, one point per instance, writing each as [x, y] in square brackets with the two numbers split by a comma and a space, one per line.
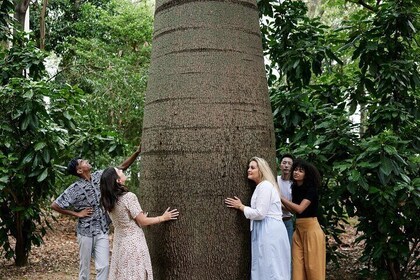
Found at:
[270, 249]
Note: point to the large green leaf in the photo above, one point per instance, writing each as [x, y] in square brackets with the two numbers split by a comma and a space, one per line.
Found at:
[386, 166]
[43, 175]
[39, 146]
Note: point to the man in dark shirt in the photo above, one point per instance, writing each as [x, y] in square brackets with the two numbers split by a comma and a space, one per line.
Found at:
[82, 200]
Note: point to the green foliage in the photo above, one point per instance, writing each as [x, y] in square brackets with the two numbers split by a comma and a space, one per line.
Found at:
[369, 65]
[45, 121]
[26, 59]
[63, 21]
[42, 125]
[104, 48]
[385, 174]
[33, 144]
[111, 64]
[296, 45]
[5, 19]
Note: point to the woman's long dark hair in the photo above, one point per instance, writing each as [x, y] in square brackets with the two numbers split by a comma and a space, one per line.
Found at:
[111, 190]
[312, 177]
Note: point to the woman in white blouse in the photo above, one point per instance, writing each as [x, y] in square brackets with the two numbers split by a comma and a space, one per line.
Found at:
[270, 247]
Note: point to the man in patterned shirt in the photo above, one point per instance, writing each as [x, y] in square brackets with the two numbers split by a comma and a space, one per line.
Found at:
[82, 200]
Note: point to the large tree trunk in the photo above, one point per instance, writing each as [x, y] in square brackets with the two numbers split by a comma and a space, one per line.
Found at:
[207, 112]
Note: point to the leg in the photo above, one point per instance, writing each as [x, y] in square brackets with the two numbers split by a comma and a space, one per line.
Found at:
[315, 259]
[85, 253]
[298, 263]
[289, 228]
[101, 255]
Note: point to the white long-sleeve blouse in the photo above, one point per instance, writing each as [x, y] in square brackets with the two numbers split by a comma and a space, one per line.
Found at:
[265, 202]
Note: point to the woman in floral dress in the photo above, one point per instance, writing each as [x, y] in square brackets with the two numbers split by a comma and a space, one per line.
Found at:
[130, 258]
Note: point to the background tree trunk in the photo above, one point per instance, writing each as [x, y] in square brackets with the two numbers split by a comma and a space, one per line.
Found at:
[20, 11]
[207, 112]
[42, 25]
[22, 240]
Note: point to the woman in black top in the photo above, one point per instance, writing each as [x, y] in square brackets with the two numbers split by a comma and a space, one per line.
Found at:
[308, 248]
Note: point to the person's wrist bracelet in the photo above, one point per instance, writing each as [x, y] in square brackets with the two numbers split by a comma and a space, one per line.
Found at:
[160, 219]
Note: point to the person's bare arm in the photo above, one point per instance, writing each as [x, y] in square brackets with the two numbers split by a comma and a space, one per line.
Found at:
[285, 208]
[296, 208]
[143, 221]
[129, 161]
[81, 214]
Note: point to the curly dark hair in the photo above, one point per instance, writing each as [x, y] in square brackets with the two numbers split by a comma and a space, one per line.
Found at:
[312, 176]
[111, 190]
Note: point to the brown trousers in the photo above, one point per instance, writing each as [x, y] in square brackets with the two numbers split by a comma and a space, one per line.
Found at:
[308, 250]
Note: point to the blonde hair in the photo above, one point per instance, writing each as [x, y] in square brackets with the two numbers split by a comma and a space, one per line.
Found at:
[265, 172]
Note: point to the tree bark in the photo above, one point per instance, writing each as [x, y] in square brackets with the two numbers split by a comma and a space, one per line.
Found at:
[21, 246]
[42, 25]
[20, 11]
[207, 112]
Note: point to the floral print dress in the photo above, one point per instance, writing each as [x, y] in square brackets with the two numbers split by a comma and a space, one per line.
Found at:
[130, 258]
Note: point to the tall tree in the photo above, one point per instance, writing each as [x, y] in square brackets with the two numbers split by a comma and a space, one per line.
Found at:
[206, 113]
[34, 134]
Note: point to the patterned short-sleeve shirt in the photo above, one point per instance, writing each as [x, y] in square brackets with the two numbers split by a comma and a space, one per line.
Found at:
[84, 194]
